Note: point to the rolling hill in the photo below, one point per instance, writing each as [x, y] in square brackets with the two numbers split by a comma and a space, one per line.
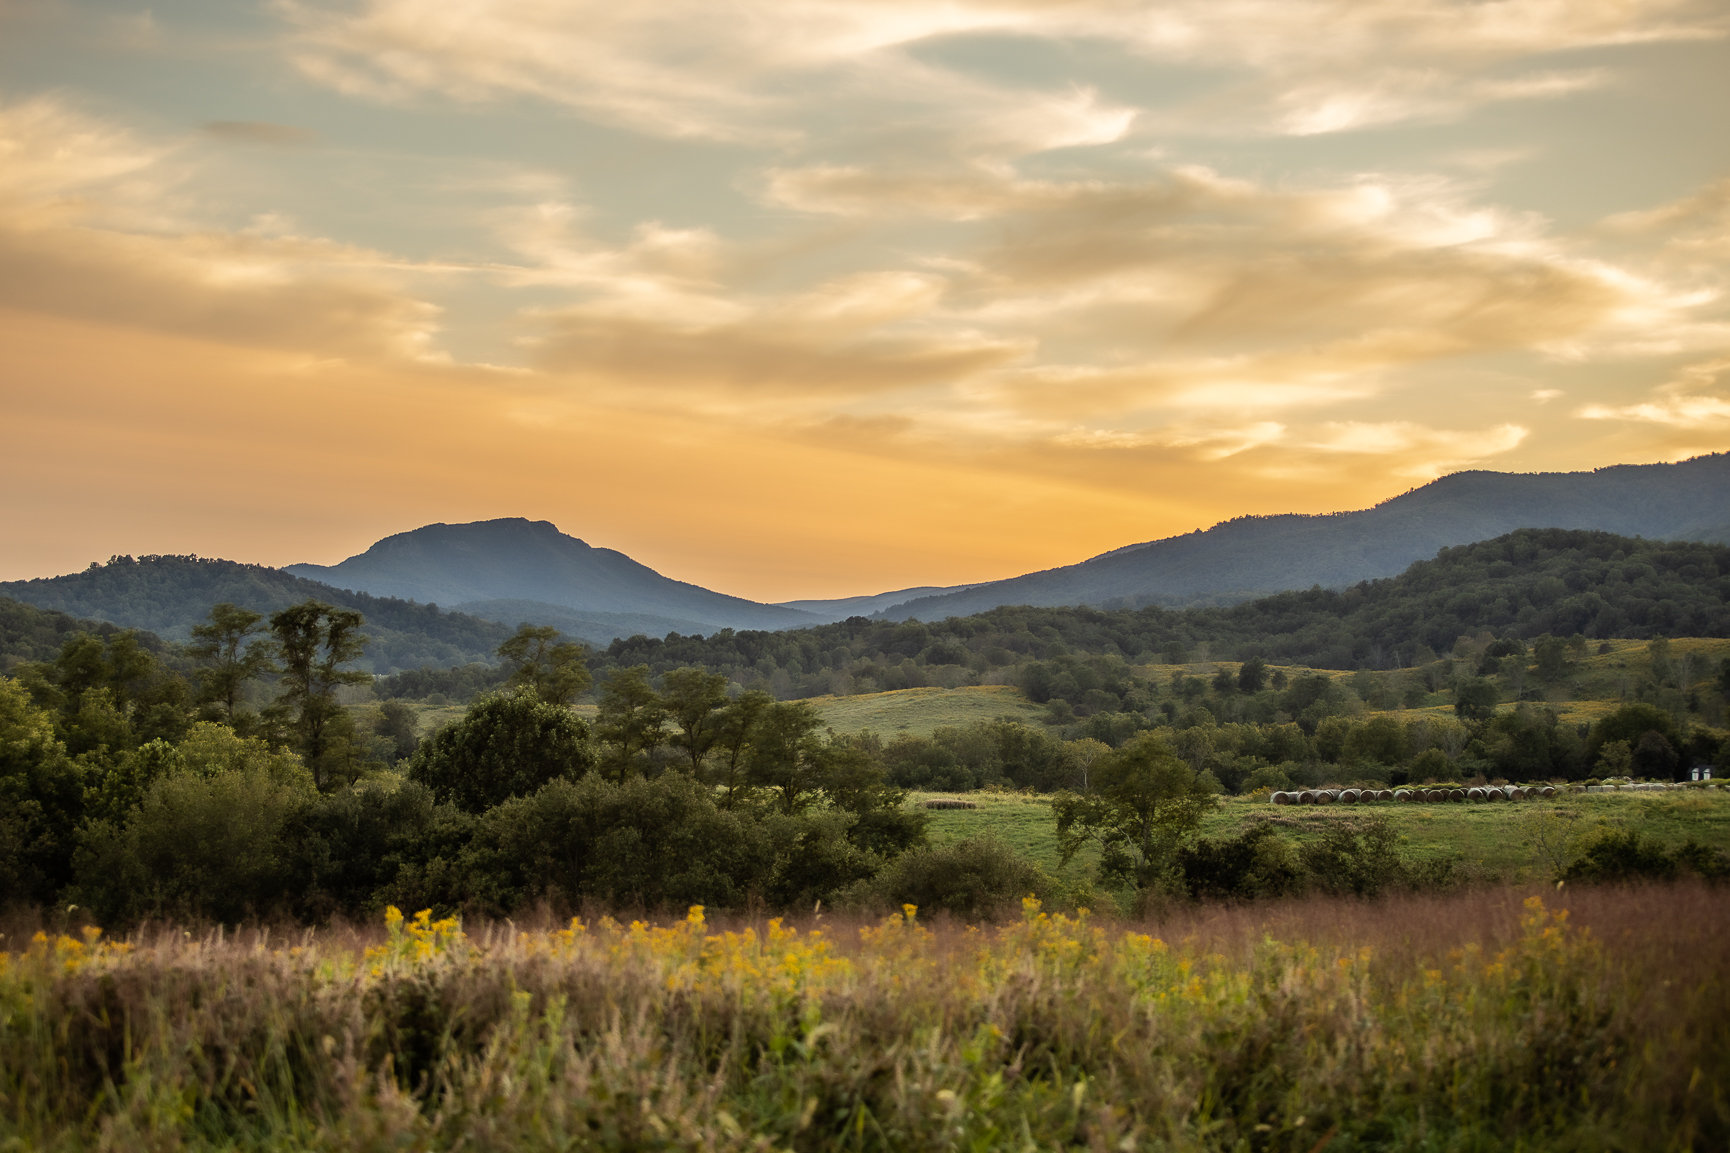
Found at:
[1254, 556]
[169, 594]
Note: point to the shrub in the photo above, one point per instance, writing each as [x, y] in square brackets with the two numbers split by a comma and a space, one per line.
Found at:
[977, 877]
[1359, 856]
[1258, 862]
[1620, 855]
[197, 847]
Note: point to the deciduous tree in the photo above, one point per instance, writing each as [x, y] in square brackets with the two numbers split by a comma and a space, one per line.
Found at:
[557, 671]
[631, 722]
[314, 641]
[1145, 802]
[230, 659]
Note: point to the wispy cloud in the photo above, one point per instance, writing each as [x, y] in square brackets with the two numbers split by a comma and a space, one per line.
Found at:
[92, 225]
[748, 71]
[1694, 400]
[260, 132]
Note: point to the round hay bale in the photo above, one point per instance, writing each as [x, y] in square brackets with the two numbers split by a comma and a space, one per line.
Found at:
[1348, 796]
[1457, 795]
[1306, 798]
[1495, 795]
[1325, 797]
[1547, 791]
[1402, 796]
[1280, 798]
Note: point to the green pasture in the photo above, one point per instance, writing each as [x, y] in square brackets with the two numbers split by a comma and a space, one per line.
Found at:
[921, 712]
[1506, 841]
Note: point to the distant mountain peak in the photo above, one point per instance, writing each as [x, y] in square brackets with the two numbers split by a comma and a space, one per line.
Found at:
[509, 564]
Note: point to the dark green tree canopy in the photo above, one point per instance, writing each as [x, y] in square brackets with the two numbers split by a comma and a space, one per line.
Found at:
[556, 671]
[508, 745]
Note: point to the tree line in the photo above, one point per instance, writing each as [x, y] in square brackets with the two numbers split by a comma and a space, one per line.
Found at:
[140, 780]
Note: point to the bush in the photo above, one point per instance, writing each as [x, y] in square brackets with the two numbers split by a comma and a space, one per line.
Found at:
[1359, 856]
[1258, 862]
[977, 877]
[1620, 855]
[197, 847]
[659, 843]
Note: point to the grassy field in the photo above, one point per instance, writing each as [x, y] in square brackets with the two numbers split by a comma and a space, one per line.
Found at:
[1492, 842]
[920, 712]
[1591, 1019]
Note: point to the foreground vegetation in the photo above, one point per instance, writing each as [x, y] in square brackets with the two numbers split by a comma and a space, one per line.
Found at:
[1581, 1020]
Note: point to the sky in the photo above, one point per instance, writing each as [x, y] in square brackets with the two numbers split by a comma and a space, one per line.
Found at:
[815, 298]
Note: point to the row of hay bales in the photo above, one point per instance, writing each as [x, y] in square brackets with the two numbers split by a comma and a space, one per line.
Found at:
[1412, 796]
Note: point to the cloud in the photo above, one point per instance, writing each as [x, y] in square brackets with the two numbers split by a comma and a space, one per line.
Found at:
[259, 132]
[1188, 311]
[1692, 227]
[840, 340]
[750, 71]
[1691, 401]
[1419, 451]
[92, 225]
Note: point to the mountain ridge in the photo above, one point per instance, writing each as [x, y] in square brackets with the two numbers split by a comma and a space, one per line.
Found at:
[1249, 556]
[492, 575]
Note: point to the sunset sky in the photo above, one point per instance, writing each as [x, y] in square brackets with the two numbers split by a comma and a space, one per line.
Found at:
[801, 298]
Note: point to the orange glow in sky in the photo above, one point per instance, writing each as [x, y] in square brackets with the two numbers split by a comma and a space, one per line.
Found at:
[828, 297]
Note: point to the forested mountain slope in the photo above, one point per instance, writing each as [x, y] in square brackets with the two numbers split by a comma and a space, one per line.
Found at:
[169, 594]
[1253, 556]
[28, 633]
[469, 566]
[1524, 584]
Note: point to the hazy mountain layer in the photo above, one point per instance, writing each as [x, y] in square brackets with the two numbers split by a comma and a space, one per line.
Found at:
[1252, 556]
[839, 609]
[517, 560]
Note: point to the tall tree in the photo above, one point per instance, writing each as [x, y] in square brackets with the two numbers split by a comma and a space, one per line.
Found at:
[631, 721]
[557, 671]
[736, 727]
[1144, 802]
[693, 698]
[230, 661]
[314, 640]
[786, 753]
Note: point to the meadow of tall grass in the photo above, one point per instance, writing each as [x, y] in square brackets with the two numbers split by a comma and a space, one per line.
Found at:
[1491, 1019]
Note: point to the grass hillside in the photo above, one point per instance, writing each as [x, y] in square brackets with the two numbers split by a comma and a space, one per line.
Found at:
[1509, 842]
[921, 712]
